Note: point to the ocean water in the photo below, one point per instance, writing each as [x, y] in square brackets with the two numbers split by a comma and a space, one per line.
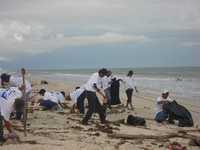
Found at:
[183, 82]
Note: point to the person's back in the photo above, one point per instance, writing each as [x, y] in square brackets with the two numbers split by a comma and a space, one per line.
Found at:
[94, 79]
[17, 81]
[7, 99]
[75, 94]
[130, 82]
[60, 96]
[50, 96]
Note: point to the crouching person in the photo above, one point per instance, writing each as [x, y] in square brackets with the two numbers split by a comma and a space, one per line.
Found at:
[9, 99]
[49, 100]
[8, 80]
[78, 96]
[161, 114]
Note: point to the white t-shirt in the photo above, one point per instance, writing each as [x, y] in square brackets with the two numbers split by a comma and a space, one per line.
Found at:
[7, 99]
[60, 97]
[106, 81]
[18, 81]
[75, 94]
[129, 82]
[51, 96]
[94, 79]
[159, 107]
[1, 90]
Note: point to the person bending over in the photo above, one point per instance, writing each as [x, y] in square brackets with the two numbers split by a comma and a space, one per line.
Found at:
[92, 87]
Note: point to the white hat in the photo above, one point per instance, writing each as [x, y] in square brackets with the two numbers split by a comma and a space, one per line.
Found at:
[165, 91]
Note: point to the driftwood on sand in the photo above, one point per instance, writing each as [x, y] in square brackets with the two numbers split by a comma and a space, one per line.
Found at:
[157, 137]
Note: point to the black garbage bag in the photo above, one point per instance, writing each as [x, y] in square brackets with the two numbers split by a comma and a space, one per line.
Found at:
[180, 113]
[135, 121]
[114, 91]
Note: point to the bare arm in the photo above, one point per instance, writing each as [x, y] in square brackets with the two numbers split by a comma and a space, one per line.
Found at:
[8, 126]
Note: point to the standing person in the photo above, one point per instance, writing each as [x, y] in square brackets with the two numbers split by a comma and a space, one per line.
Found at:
[9, 99]
[92, 86]
[130, 86]
[161, 114]
[107, 86]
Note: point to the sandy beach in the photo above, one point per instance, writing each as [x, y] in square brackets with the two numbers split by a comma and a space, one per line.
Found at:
[48, 130]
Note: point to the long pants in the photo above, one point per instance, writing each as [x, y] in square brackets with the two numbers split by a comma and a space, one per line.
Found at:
[80, 102]
[21, 105]
[47, 104]
[108, 95]
[94, 106]
[129, 93]
[161, 116]
[1, 129]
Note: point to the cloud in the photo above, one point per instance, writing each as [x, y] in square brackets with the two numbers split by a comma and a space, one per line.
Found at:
[105, 38]
[126, 15]
[191, 44]
[38, 26]
[19, 37]
[4, 59]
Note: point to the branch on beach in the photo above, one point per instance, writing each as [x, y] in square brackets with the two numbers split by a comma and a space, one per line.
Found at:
[156, 137]
[49, 131]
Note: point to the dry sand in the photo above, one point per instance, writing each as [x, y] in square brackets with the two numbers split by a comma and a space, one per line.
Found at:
[49, 130]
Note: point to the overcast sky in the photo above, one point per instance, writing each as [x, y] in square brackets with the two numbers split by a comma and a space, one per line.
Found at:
[95, 33]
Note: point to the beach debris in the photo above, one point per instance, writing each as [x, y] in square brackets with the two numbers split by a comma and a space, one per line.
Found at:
[135, 121]
[121, 142]
[161, 145]
[43, 82]
[46, 132]
[104, 128]
[157, 137]
[94, 134]
[194, 142]
[77, 128]
[176, 146]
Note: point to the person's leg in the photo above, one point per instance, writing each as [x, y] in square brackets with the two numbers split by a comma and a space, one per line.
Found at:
[19, 107]
[1, 130]
[161, 116]
[129, 93]
[73, 108]
[80, 102]
[91, 96]
[130, 97]
[47, 104]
